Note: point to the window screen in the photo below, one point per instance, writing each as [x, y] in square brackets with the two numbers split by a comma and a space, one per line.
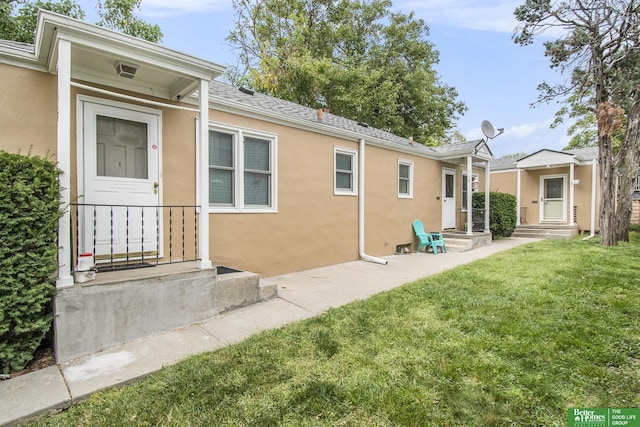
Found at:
[221, 168]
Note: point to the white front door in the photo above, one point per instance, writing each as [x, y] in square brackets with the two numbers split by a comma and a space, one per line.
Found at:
[553, 199]
[119, 181]
[448, 198]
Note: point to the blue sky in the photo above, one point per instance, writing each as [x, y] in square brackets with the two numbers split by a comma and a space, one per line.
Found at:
[495, 78]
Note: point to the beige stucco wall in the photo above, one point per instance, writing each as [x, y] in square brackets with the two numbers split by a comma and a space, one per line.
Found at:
[312, 226]
[530, 192]
[28, 101]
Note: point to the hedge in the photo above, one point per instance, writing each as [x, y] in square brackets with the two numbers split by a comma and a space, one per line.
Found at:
[29, 213]
[502, 212]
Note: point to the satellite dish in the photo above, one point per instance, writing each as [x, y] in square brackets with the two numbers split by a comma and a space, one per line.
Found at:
[487, 129]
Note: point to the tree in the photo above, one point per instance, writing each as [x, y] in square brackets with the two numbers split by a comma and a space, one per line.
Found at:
[19, 24]
[118, 15]
[599, 47]
[353, 57]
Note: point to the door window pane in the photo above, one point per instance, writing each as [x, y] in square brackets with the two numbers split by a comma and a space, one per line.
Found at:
[449, 186]
[121, 148]
[553, 188]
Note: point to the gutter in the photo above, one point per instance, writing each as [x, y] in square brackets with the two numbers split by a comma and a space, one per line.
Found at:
[363, 255]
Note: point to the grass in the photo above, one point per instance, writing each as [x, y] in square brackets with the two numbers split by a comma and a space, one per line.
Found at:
[514, 339]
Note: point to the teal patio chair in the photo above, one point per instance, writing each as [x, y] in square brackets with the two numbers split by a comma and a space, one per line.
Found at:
[432, 239]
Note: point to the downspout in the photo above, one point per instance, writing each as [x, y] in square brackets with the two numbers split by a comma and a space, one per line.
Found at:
[364, 256]
[593, 200]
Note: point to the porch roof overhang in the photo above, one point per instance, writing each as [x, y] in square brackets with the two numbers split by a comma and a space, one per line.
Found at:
[547, 159]
[161, 72]
[458, 153]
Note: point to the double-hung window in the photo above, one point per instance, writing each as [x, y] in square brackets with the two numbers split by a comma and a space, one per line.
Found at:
[241, 171]
[405, 179]
[345, 171]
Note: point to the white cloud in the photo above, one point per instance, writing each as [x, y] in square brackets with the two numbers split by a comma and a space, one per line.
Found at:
[522, 131]
[494, 15]
[525, 130]
[163, 8]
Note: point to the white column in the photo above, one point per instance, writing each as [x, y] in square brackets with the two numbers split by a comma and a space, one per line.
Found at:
[469, 196]
[571, 192]
[519, 222]
[203, 197]
[487, 196]
[63, 156]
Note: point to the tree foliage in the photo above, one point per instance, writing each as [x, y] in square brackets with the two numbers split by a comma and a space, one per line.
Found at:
[119, 15]
[19, 24]
[353, 57]
[18, 18]
[599, 48]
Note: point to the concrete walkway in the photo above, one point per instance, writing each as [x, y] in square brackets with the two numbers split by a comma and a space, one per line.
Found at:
[300, 295]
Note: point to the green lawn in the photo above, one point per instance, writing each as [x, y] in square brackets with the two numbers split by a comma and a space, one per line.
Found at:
[514, 339]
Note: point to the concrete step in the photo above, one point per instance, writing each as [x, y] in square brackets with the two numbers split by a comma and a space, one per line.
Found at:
[458, 245]
[461, 242]
[565, 232]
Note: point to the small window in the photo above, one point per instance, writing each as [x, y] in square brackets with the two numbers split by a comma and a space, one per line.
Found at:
[464, 189]
[345, 167]
[405, 179]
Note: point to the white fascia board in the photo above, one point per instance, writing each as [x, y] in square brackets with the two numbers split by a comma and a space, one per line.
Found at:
[114, 43]
[458, 154]
[504, 170]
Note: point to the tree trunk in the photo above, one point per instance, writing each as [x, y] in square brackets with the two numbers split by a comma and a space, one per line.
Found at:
[607, 192]
[629, 162]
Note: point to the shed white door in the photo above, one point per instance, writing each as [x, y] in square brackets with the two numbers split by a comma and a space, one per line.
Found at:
[448, 198]
[553, 198]
[121, 180]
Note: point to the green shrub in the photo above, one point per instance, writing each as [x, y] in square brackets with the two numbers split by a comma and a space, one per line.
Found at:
[502, 212]
[29, 213]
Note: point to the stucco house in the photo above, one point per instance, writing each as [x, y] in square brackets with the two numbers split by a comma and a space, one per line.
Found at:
[557, 192]
[162, 165]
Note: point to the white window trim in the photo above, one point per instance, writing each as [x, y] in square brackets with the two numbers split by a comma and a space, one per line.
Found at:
[354, 155]
[239, 134]
[409, 195]
[464, 180]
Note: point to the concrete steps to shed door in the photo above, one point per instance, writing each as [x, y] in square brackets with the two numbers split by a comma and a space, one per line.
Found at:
[546, 231]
